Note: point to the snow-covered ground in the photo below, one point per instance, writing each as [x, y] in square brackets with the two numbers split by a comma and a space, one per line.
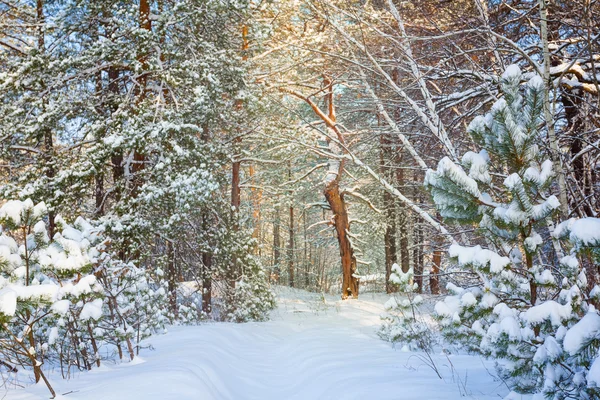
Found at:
[311, 349]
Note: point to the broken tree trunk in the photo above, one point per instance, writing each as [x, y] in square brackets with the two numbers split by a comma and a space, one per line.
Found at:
[341, 224]
[332, 192]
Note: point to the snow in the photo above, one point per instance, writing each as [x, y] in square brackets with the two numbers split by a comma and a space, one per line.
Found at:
[512, 72]
[541, 210]
[550, 310]
[311, 349]
[468, 300]
[53, 335]
[8, 301]
[478, 163]
[12, 210]
[593, 377]
[447, 168]
[512, 181]
[586, 231]
[583, 332]
[536, 83]
[16, 210]
[91, 310]
[478, 257]
[61, 307]
[539, 176]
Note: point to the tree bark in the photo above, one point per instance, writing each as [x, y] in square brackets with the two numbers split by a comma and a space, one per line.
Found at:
[49, 168]
[549, 109]
[342, 227]
[333, 195]
[139, 159]
[276, 247]
[389, 204]
[306, 259]
[291, 248]
[403, 226]
[417, 245]
[572, 104]
[434, 278]
[207, 283]
[171, 277]
[256, 203]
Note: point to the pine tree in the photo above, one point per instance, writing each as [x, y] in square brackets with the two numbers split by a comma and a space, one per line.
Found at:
[526, 310]
[125, 114]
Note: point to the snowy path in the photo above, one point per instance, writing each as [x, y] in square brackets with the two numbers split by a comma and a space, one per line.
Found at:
[308, 351]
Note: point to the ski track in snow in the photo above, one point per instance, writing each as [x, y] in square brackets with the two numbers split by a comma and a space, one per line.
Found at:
[309, 350]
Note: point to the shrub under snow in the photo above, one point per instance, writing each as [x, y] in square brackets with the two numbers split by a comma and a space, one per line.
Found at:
[65, 297]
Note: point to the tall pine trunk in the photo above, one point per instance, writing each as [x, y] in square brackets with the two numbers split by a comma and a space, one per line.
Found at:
[291, 248]
[276, 246]
[389, 237]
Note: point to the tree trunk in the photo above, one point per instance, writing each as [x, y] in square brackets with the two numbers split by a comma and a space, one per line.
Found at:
[118, 171]
[403, 225]
[389, 203]
[332, 193]
[389, 239]
[49, 168]
[235, 170]
[342, 227]
[418, 256]
[235, 184]
[306, 263]
[172, 278]
[99, 194]
[291, 248]
[549, 111]
[139, 159]
[434, 278]
[207, 283]
[572, 103]
[256, 203]
[276, 247]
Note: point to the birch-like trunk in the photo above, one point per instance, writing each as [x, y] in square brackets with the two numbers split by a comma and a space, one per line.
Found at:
[549, 109]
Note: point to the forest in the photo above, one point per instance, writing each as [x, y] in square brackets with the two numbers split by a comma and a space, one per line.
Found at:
[410, 186]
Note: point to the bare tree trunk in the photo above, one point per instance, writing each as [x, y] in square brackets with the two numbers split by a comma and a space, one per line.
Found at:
[235, 171]
[276, 246]
[50, 173]
[235, 206]
[434, 278]
[572, 104]
[403, 226]
[99, 194]
[418, 257]
[342, 227]
[94, 344]
[139, 159]
[389, 203]
[172, 278]
[256, 203]
[291, 248]
[333, 195]
[49, 168]
[207, 283]
[206, 266]
[549, 109]
[306, 260]
[389, 239]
